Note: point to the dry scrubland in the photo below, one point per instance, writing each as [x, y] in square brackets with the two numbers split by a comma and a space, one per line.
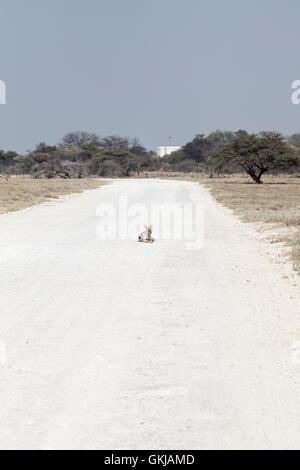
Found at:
[274, 204]
[19, 193]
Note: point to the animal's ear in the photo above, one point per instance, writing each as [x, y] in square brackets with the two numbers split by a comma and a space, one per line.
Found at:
[146, 227]
[150, 227]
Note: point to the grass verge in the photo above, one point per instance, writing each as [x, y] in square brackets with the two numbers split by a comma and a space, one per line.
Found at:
[19, 193]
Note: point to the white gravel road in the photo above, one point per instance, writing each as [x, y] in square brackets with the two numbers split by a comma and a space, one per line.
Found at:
[118, 344]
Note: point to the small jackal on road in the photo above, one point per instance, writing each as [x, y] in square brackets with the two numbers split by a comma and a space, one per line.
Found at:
[146, 236]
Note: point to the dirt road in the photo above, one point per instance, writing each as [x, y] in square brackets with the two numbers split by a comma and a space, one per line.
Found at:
[118, 344]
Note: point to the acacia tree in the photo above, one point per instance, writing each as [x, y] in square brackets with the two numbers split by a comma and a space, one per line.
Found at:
[7, 159]
[256, 154]
[137, 148]
[198, 149]
[220, 137]
[115, 142]
[80, 138]
[42, 147]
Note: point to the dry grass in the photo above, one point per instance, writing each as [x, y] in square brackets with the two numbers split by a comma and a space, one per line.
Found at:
[19, 193]
[275, 202]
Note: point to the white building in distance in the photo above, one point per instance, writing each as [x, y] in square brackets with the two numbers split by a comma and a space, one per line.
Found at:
[162, 151]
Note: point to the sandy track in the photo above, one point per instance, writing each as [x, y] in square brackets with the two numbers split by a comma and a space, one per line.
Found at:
[125, 345]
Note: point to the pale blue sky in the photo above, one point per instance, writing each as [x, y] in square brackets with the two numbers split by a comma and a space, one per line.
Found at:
[146, 68]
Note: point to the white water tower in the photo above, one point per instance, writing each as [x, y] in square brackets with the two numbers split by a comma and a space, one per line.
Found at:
[167, 150]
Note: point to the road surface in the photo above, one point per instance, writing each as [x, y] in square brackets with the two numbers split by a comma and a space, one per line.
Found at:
[117, 344]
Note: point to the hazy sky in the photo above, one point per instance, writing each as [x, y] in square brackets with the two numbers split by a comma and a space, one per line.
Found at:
[146, 68]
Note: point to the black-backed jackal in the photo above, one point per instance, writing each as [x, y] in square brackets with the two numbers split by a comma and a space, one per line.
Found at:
[146, 236]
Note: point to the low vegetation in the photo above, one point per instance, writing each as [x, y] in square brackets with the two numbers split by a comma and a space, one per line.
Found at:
[19, 193]
[255, 155]
[225, 152]
[83, 154]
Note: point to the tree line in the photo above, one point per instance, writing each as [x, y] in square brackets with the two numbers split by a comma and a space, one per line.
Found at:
[79, 155]
[224, 152]
[82, 154]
